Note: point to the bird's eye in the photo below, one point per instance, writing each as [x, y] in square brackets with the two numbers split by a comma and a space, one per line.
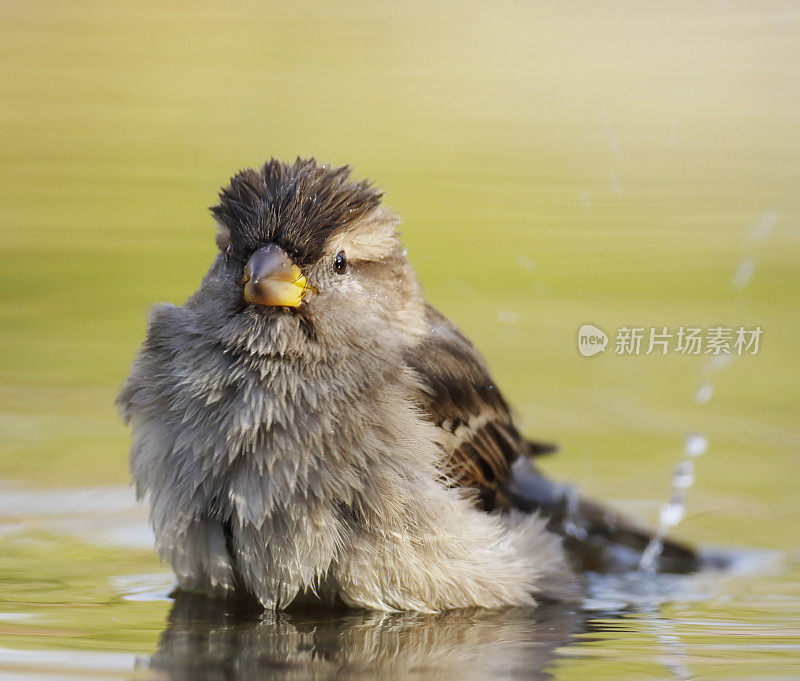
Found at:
[340, 263]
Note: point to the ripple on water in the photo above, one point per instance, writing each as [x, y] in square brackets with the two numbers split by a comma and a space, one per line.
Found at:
[108, 516]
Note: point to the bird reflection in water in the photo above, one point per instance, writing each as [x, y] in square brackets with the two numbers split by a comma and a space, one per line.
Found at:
[215, 639]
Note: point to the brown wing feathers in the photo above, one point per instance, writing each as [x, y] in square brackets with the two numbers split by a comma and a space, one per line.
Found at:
[478, 434]
[485, 452]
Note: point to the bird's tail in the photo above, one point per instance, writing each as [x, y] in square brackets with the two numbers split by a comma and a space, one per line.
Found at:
[596, 537]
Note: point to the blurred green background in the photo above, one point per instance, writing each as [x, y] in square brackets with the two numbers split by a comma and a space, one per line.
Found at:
[554, 164]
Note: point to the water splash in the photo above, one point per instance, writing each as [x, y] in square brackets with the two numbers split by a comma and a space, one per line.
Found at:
[571, 513]
[673, 511]
[683, 477]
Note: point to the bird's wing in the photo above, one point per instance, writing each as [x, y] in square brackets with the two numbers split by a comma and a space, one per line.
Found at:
[484, 451]
[480, 440]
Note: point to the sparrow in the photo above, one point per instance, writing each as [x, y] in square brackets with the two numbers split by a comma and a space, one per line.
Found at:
[306, 427]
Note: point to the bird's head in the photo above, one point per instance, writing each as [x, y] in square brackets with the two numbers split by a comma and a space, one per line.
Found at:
[309, 259]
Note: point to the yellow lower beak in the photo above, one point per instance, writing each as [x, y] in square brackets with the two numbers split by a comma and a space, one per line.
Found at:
[271, 278]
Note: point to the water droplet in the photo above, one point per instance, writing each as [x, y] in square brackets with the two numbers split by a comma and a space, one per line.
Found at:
[671, 514]
[683, 481]
[745, 272]
[574, 530]
[704, 393]
[717, 362]
[683, 478]
[507, 317]
[651, 554]
[763, 228]
[526, 263]
[571, 514]
[696, 444]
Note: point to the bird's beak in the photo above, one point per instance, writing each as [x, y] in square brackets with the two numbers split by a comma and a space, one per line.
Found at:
[271, 278]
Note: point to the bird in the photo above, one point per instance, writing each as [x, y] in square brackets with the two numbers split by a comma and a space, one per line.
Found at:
[307, 428]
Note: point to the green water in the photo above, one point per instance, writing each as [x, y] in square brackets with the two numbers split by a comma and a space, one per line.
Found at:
[555, 164]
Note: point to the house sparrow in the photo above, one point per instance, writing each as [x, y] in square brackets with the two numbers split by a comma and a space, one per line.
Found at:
[306, 426]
